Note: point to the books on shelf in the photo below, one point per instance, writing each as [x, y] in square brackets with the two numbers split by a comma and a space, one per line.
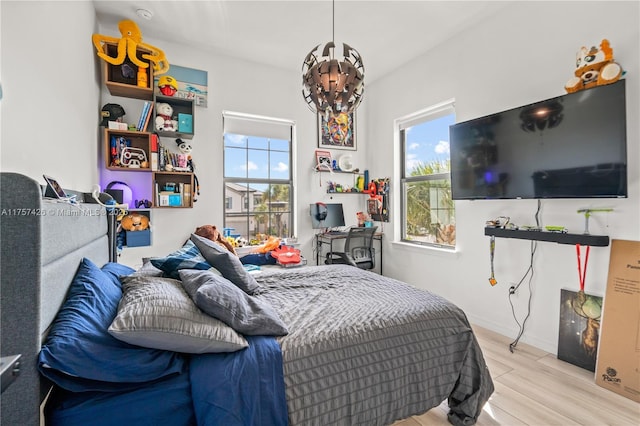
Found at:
[154, 152]
[147, 117]
[143, 122]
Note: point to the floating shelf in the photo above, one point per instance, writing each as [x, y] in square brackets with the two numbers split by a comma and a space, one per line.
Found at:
[553, 237]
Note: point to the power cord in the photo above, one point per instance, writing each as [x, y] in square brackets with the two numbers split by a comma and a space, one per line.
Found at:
[110, 204]
[514, 289]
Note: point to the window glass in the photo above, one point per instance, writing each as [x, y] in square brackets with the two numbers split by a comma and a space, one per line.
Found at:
[428, 211]
[258, 179]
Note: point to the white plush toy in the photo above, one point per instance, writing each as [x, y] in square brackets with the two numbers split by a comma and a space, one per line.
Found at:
[164, 118]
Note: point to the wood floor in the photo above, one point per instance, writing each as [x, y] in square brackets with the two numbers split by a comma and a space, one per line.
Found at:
[533, 387]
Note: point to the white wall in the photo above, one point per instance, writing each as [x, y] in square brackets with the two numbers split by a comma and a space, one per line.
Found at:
[50, 107]
[524, 54]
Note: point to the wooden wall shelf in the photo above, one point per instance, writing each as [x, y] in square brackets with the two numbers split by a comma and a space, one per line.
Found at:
[553, 237]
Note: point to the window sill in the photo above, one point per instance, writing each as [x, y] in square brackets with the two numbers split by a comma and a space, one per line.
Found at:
[426, 249]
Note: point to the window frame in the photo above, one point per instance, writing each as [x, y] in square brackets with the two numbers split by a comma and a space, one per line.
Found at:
[257, 122]
[401, 124]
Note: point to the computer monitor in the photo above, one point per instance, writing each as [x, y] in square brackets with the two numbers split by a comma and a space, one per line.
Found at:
[326, 215]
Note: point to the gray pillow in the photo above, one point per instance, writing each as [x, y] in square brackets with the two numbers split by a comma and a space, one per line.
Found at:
[227, 263]
[156, 312]
[221, 299]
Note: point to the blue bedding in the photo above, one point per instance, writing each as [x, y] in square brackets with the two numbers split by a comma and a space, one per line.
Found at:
[244, 388]
[164, 402]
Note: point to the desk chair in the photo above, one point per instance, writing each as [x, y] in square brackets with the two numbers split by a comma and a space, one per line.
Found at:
[358, 249]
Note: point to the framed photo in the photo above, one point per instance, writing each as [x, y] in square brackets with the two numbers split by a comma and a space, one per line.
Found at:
[337, 131]
[323, 160]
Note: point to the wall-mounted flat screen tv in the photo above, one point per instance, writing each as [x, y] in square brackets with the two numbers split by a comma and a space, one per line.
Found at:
[572, 146]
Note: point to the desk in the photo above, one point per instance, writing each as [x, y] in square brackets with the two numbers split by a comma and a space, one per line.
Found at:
[323, 238]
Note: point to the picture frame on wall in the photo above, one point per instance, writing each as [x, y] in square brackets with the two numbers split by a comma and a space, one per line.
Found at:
[323, 160]
[337, 131]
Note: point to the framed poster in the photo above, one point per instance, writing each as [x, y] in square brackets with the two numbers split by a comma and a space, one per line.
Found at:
[337, 131]
[192, 84]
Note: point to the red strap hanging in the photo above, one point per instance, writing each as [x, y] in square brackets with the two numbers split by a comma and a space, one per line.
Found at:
[582, 273]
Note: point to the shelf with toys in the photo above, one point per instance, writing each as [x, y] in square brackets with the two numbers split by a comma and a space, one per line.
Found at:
[174, 114]
[134, 70]
[127, 150]
[127, 79]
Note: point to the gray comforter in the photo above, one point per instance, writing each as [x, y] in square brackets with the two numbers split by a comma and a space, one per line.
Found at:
[364, 349]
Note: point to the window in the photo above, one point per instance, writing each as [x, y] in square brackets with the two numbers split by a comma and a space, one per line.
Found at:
[228, 203]
[258, 178]
[427, 209]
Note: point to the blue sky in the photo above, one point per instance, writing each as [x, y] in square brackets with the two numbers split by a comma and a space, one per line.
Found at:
[427, 142]
[260, 162]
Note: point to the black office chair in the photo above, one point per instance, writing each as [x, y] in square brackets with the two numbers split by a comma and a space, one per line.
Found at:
[358, 249]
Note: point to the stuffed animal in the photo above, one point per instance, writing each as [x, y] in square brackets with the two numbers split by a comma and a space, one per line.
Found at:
[164, 118]
[594, 67]
[211, 232]
[134, 222]
[186, 149]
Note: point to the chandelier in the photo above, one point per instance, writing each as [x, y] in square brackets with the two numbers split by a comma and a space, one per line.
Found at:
[331, 85]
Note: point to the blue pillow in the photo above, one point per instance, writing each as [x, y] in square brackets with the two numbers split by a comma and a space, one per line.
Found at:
[80, 355]
[188, 257]
[116, 270]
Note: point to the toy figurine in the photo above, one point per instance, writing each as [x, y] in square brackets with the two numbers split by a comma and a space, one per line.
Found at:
[186, 149]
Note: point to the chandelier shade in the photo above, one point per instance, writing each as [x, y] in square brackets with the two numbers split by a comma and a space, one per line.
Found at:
[332, 85]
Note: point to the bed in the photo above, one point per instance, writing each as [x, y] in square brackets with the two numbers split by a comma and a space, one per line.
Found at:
[325, 345]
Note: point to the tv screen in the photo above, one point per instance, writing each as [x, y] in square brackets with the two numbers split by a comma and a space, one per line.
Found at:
[334, 216]
[572, 146]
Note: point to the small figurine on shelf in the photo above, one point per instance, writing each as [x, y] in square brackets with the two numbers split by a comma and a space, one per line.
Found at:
[164, 118]
[111, 112]
[186, 149]
[167, 85]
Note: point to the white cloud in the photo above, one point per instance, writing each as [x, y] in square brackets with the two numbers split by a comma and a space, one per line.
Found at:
[235, 139]
[413, 146]
[442, 147]
[411, 162]
[281, 167]
[249, 166]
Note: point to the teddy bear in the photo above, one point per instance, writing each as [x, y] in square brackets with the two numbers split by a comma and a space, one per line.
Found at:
[594, 67]
[164, 118]
[211, 232]
[134, 222]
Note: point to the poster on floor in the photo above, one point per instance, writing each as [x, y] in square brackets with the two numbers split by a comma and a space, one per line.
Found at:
[579, 328]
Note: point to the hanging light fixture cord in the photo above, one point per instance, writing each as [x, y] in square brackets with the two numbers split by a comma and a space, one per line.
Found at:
[333, 21]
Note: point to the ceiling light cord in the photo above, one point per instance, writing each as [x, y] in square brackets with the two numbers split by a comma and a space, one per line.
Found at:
[333, 21]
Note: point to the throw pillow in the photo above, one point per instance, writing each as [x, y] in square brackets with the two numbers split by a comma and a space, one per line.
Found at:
[221, 299]
[227, 263]
[187, 257]
[156, 312]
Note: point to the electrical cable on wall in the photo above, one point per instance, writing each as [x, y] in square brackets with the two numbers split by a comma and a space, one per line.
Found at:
[512, 290]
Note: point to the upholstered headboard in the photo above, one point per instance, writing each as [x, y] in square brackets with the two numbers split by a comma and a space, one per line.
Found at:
[43, 242]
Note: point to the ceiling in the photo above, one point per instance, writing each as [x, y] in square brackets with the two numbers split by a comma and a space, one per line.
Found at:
[387, 34]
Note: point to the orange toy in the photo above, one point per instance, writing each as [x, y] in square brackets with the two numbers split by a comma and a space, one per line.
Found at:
[286, 255]
[594, 67]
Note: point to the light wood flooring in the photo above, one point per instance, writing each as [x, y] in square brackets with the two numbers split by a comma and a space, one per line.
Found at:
[533, 387]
